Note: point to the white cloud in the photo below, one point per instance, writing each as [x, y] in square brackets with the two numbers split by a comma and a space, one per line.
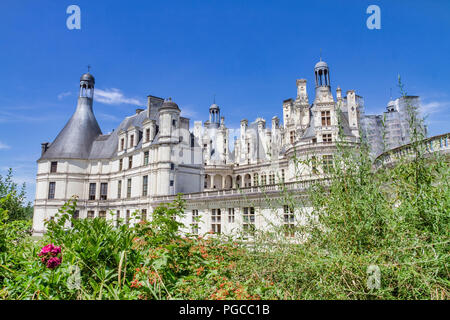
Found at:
[114, 96]
[4, 146]
[108, 117]
[434, 107]
[62, 95]
[188, 113]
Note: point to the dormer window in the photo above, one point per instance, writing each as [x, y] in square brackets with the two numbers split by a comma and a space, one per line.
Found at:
[174, 122]
[147, 135]
[122, 144]
[132, 141]
[326, 118]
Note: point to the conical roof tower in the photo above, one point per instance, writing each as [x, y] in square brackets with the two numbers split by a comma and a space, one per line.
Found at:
[76, 138]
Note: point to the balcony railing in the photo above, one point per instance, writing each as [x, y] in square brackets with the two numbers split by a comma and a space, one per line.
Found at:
[440, 144]
[299, 186]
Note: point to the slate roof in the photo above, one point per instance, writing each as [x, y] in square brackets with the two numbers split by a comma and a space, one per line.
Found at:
[76, 138]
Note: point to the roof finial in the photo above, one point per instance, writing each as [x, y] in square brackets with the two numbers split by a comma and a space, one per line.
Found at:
[391, 93]
[214, 100]
[320, 54]
[89, 67]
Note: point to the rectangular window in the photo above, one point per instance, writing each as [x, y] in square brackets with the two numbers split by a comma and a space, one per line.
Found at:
[129, 188]
[263, 180]
[147, 135]
[120, 164]
[127, 217]
[255, 179]
[144, 215]
[103, 191]
[194, 222]
[132, 141]
[119, 189]
[326, 118]
[90, 214]
[326, 138]
[314, 165]
[230, 215]
[282, 175]
[117, 217]
[75, 216]
[288, 221]
[122, 144]
[292, 136]
[327, 163]
[271, 178]
[192, 140]
[102, 214]
[130, 162]
[172, 166]
[53, 166]
[248, 219]
[51, 190]
[144, 185]
[92, 187]
[146, 154]
[171, 183]
[215, 221]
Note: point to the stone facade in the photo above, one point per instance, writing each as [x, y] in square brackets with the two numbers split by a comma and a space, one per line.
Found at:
[153, 155]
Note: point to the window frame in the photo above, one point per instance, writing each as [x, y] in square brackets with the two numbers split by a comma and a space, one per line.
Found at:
[51, 190]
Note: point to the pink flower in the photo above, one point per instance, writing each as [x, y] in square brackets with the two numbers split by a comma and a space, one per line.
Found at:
[52, 263]
[51, 256]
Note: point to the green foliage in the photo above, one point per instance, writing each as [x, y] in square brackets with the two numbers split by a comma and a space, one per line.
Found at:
[13, 199]
[396, 218]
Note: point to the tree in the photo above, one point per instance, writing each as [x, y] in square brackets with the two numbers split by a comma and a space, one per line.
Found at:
[13, 199]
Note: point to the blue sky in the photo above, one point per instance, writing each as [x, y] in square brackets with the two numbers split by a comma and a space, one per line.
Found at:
[247, 53]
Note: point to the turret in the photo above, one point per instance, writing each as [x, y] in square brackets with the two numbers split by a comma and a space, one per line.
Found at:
[76, 138]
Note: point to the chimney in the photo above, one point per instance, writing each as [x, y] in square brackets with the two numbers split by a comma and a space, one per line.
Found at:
[338, 93]
[44, 147]
[302, 95]
[153, 103]
[244, 124]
